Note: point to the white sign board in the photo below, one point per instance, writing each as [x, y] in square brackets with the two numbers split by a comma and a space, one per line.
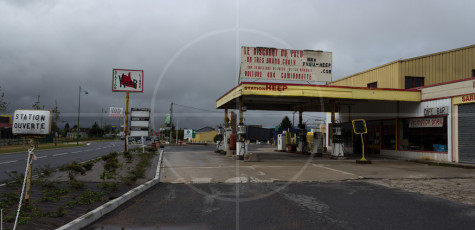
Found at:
[124, 80]
[288, 65]
[188, 134]
[140, 122]
[134, 140]
[426, 122]
[443, 110]
[31, 122]
[116, 112]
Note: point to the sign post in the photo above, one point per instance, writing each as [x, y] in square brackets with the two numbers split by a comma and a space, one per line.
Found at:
[126, 120]
[125, 80]
[359, 127]
[30, 124]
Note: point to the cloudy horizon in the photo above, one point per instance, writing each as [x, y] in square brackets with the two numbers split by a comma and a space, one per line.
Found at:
[189, 50]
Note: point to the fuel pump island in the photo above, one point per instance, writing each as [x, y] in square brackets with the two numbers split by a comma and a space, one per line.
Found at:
[293, 80]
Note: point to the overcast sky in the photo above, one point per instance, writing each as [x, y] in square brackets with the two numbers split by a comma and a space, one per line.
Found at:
[187, 49]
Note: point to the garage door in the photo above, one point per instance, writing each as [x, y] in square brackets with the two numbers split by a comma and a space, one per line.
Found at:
[466, 133]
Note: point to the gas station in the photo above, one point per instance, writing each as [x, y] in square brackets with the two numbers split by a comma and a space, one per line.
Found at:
[270, 65]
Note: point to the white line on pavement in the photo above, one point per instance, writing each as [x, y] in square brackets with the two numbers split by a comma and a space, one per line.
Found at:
[6, 162]
[336, 170]
[76, 152]
[41, 157]
[59, 154]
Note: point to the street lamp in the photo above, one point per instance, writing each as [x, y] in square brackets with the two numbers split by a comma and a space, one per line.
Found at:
[79, 111]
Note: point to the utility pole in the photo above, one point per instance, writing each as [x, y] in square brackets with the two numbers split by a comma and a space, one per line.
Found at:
[171, 122]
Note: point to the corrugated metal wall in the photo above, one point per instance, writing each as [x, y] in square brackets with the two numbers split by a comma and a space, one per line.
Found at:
[435, 68]
[386, 76]
[442, 67]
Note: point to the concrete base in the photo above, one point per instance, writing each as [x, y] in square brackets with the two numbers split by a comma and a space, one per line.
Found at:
[333, 157]
[363, 161]
[280, 151]
[338, 158]
[237, 157]
[230, 153]
[222, 152]
[251, 157]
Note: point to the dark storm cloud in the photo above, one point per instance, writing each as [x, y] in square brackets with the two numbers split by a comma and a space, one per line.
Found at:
[50, 48]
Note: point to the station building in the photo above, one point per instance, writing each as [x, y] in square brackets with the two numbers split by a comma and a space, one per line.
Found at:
[419, 108]
[440, 126]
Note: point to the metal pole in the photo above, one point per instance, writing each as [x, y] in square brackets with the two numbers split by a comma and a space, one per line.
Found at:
[171, 123]
[126, 120]
[102, 113]
[226, 120]
[177, 131]
[241, 115]
[79, 111]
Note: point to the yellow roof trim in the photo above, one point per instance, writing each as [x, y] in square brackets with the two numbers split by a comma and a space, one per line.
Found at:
[318, 91]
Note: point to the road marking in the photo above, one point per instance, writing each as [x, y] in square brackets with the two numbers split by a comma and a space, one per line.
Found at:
[88, 150]
[41, 157]
[98, 148]
[76, 152]
[6, 162]
[59, 154]
[336, 170]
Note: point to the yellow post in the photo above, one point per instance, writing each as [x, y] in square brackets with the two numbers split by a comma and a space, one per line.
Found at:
[362, 148]
[126, 120]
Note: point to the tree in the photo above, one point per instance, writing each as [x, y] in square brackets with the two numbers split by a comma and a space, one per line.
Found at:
[108, 129]
[95, 130]
[66, 129]
[56, 117]
[3, 103]
[36, 105]
[285, 124]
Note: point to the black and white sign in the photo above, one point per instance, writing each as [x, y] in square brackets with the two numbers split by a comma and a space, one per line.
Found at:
[443, 110]
[31, 122]
[139, 122]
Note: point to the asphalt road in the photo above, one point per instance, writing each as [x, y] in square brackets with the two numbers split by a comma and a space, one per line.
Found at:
[339, 205]
[56, 157]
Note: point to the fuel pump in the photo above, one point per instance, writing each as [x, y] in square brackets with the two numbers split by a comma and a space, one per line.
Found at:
[337, 143]
[281, 138]
[227, 141]
[220, 143]
[317, 143]
[241, 145]
[303, 144]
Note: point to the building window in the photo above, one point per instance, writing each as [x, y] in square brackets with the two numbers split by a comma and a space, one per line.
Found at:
[423, 134]
[373, 85]
[389, 134]
[413, 82]
[473, 72]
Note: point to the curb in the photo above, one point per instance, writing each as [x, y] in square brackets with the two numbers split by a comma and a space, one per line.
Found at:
[102, 210]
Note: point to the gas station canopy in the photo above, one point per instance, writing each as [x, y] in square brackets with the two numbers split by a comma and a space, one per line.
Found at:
[307, 97]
